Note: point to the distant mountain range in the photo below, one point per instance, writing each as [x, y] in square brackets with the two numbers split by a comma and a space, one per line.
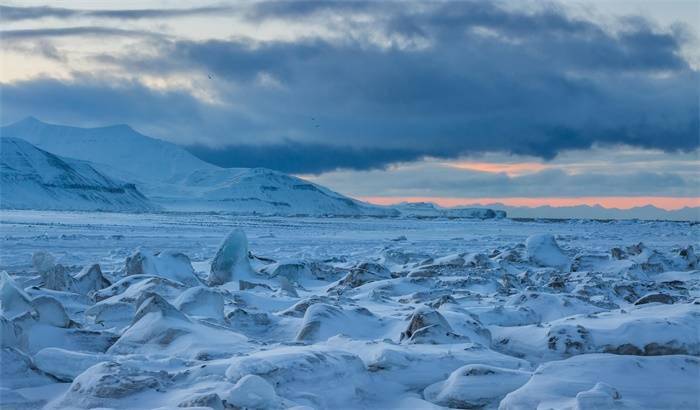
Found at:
[171, 177]
[648, 212]
[47, 166]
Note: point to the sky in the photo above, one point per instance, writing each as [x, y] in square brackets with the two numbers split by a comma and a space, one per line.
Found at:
[456, 102]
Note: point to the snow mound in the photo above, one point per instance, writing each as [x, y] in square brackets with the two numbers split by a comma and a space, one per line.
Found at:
[292, 271]
[253, 392]
[118, 303]
[64, 364]
[41, 334]
[158, 327]
[208, 400]
[170, 265]
[322, 321]
[655, 298]
[417, 366]
[602, 395]
[18, 371]
[465, 323]
[201, 302]
[475, 386]
[108, 383]
[130, 289]
[429, 326]
[543, 250]
[299, 308]
[51, 311]
[361, 274]
[549, 306]
[315, 376]
[649, 330]
[627, 381]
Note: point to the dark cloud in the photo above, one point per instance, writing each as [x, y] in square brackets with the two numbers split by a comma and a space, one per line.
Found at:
[12, 13]
[451, 78]
[306, 9]
[470, 93]
[96, 31]
[295, 157]
[97, 101]
[436, 181]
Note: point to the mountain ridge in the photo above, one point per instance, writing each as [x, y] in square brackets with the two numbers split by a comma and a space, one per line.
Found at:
[178, 181]
[597, 211]
[32, 178]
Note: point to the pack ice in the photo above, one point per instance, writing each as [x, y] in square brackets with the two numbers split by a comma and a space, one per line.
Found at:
[336, 314]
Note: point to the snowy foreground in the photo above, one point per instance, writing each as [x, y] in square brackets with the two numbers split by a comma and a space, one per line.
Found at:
[212, 311]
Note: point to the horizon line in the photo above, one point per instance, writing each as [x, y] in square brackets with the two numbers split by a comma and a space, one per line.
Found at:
[610, 202]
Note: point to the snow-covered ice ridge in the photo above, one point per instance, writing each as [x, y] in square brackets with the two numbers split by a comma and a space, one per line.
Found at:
[146, 311]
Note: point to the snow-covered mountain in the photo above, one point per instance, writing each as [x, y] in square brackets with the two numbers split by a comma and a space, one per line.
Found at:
[260, 190]
[32, 178]
[118, 150]
[177, 180]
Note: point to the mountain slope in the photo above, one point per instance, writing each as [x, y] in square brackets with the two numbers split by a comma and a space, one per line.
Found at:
[126, 153]
[31, 178]
[177, 180]
[260, 190]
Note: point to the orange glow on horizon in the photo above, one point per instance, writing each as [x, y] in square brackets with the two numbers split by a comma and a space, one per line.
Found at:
[621, 202]
[514, 169]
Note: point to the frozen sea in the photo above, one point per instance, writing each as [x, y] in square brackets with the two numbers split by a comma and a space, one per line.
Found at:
[97, 237]
[353, 313]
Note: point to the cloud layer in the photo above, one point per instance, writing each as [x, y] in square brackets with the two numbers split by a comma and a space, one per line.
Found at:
[389, 82]
[13, 13]
[433, 180]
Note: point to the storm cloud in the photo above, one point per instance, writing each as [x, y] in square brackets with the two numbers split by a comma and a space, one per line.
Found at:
[309, 158]
[417, 80]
